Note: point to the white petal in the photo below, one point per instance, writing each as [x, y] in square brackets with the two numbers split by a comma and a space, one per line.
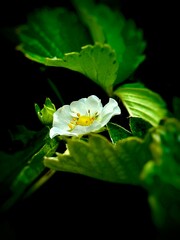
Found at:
[111, 106]
[54, 131]
[110, 109]
[80, 130]
[95, 126]
[61, 119]
[93, 104]
[62, 115]
[79, 106]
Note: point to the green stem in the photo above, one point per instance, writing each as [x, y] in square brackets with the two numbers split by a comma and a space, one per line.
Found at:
[40, 182]
[54, 88]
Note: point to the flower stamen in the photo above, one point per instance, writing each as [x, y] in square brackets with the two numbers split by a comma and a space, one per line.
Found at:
[84, 120]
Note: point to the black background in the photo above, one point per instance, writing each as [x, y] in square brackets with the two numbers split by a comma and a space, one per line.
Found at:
[73, 205]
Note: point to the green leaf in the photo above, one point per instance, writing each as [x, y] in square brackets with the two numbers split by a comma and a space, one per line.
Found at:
[96, 62]
[165, 144]
[99, 158]
[48, 38]
[109, 26]
[19, 170]
[117, 132]
[139, 127]
[50, 33]
[160, 176]
[87, 12]
[12, 163]
[143, 103]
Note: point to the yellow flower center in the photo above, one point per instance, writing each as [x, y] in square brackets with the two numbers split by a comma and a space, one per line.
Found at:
[85, 121]
[82, 120]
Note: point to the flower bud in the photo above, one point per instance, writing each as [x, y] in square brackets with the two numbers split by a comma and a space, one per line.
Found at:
[45, 114]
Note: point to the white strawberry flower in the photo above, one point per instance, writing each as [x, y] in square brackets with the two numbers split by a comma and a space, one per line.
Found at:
[83, 116]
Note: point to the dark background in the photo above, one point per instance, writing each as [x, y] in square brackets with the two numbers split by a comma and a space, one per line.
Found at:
[73, 204]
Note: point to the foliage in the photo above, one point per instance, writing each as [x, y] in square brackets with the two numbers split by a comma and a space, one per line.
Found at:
[21, 169]
[107, 51]
[160, 174]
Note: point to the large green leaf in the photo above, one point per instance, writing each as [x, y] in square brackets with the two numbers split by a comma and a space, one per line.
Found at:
[49, 33]
[99, 158]
[143, 103]
[97, 62]
[87, 13]
[109, 26]
[50, 38]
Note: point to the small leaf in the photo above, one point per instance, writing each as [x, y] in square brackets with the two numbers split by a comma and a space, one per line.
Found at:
[139, 126]
[143, 103]
[98, 158]
[117, 132]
